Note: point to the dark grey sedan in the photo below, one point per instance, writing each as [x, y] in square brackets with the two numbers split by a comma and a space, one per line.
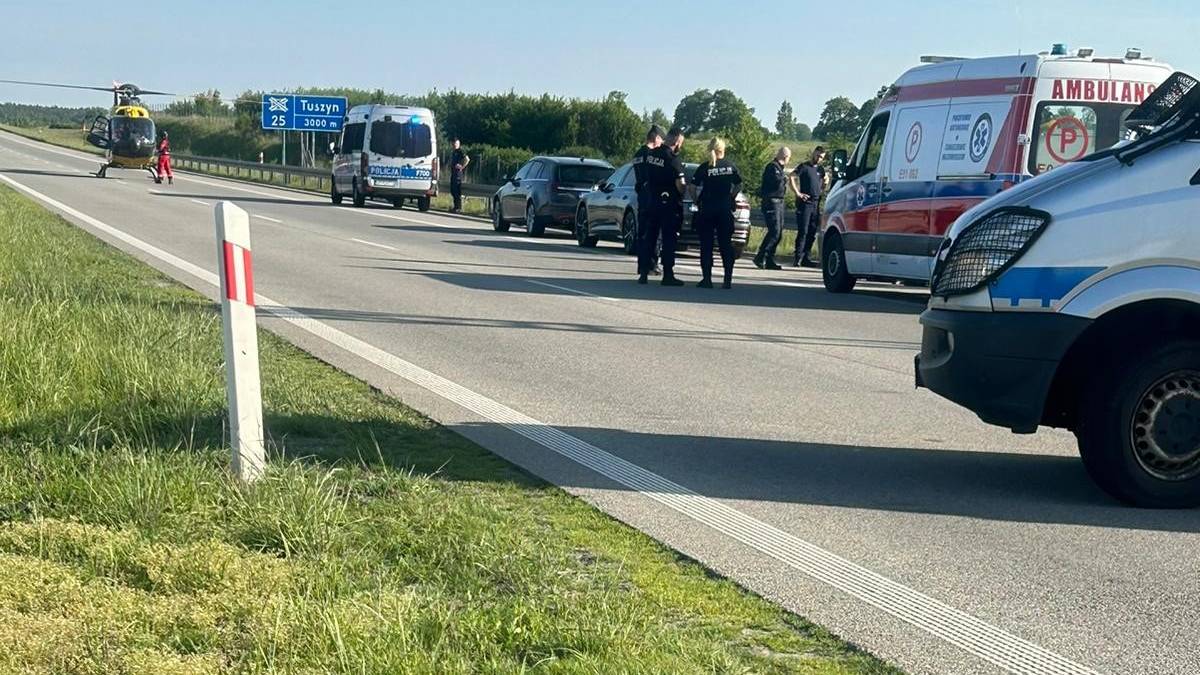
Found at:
[610, 212]
[545, 192]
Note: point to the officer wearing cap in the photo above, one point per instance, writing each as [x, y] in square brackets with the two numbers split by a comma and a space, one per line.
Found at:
[718, 180]
[667, 182]
[641, 173]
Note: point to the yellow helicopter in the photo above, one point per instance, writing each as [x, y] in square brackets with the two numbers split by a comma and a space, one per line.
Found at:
[126, 134]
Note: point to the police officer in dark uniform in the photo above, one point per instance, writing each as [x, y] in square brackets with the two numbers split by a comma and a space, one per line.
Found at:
[641, 173]
[772, 191]
[808, 182]
[666, 183]
[718, 181]
[458, 168]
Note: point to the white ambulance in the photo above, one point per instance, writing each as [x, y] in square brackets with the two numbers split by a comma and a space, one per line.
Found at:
[386, 152]
[953, 132]
[1073, 301]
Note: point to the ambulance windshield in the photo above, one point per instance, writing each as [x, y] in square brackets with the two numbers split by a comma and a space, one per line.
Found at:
[1066, 132]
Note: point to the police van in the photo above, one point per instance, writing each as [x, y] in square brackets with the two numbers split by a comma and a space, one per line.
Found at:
[953, 132]
[388, 153]
[1073, 301]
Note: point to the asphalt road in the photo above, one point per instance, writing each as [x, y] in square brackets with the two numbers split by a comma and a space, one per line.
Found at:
[771, 431]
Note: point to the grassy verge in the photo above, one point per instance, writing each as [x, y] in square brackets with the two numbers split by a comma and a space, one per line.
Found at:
[66, 138]
[380, 542]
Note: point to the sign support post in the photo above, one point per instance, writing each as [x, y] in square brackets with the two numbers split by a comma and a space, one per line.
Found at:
[242, 385]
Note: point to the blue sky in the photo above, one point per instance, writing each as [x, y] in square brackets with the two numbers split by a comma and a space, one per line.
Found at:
[765, 51]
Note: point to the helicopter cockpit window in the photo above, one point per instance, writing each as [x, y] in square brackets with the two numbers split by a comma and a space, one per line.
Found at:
[132, 136]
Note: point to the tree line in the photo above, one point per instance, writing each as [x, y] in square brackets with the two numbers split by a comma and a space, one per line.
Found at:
[504, 129]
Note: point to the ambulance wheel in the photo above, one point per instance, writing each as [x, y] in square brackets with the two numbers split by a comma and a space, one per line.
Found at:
[532, 226]
[833, 265]
[1139, 427]
[358, 197]
[423, 203]
[629, 226]
[499, 224]
[334, 195]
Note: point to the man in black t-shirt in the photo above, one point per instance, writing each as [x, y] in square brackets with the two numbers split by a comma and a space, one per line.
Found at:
[666, 183]
[718, 180]
[772, 191]
[458, 168]
[808, 182]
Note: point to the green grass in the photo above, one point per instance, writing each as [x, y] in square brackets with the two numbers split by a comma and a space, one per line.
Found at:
[379, 542]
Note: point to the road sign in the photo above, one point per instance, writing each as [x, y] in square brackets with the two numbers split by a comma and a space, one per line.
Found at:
[300, 112]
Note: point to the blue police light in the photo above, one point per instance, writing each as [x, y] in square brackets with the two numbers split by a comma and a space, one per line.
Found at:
[1059, 49]
[415, 119]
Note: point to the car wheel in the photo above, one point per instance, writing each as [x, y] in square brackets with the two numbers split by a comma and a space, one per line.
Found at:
[499, 224]
[581, 230]
[532, 226]
[629, 227]
[423, 203]
[358, 197]
[834, 272]
[334, 195]
[398, 202]
[1139, 427]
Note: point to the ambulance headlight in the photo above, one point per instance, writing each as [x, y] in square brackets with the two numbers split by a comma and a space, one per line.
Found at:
[987, 247]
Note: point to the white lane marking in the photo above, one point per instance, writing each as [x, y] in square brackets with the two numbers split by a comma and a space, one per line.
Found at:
[197, 201]
[572, 290]
[985, 641]
[267, 218]
[371, 243]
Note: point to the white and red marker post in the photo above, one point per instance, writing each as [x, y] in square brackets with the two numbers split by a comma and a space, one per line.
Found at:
[242, 386]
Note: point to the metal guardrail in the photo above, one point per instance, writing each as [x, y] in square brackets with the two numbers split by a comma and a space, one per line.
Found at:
[317, 180]
[304, 178]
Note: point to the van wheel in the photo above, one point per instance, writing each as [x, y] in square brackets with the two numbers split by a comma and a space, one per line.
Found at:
[499, 224]
[1139, 427]
[423, 203]
[532, 226]
[834, 272]
[581, 230]
[334, 195]
[358, 197]
[629, 238]
[398, 202]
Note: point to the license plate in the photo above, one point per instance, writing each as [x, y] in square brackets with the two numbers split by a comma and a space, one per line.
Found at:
[385, 182]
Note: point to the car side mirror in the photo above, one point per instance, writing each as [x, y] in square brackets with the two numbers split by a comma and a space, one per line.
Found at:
[334, 149]
[515, 181]
[607, 187]
[839, 164]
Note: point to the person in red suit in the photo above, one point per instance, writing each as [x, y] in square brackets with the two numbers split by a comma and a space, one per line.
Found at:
[164, 159]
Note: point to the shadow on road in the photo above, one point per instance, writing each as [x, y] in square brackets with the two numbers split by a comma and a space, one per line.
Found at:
[358, 316]
[744, 293]
[56, 174]
[1007, 487]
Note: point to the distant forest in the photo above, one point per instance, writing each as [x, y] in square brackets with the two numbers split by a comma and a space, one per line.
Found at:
[23, 115]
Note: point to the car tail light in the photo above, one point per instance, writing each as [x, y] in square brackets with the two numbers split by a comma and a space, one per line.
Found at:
[364, 164]
[434, 171]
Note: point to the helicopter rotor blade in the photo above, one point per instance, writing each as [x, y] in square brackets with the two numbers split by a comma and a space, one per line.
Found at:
[55, 84]
[154, 93]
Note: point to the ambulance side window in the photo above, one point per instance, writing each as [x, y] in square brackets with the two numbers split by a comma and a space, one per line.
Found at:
[873, 144]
